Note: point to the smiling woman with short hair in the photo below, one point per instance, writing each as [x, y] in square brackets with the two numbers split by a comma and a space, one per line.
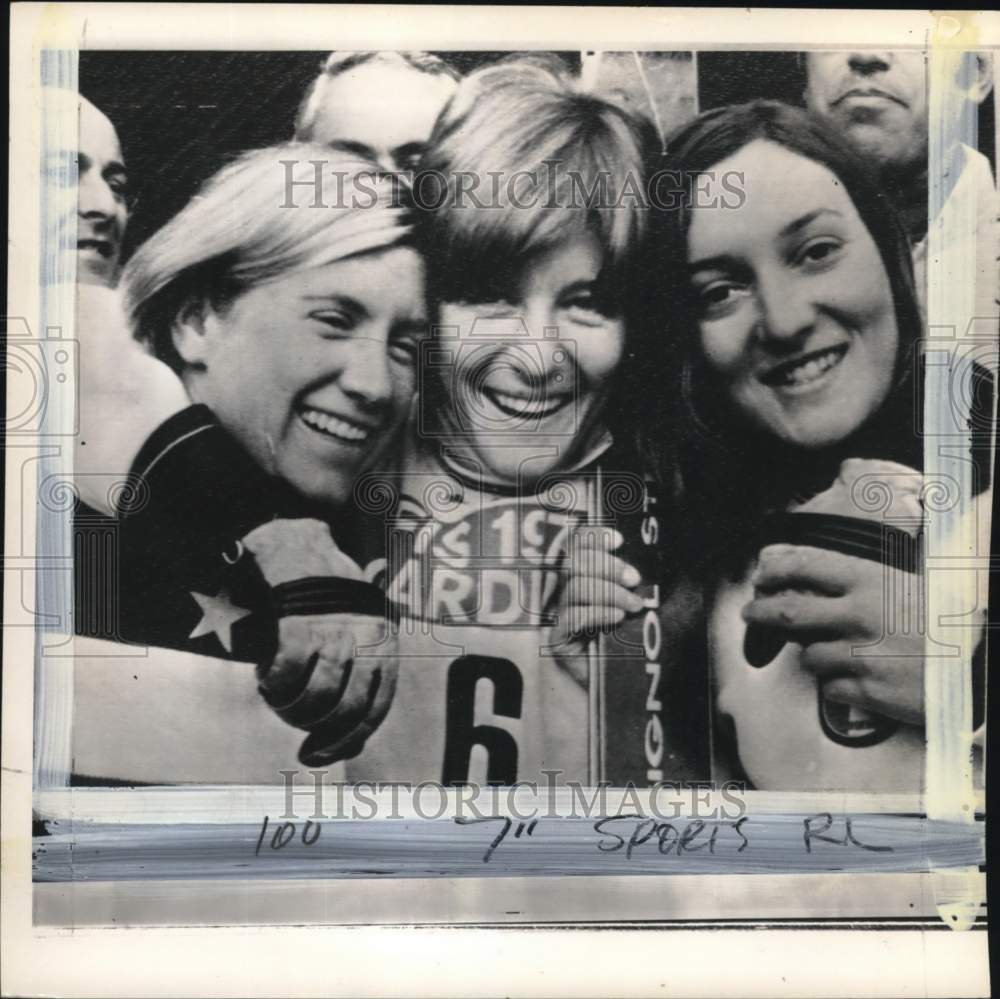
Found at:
[294, 331]
[537, 390]
[297, 325]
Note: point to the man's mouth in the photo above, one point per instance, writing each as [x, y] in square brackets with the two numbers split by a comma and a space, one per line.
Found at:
[335, 426]
[805, 369]
[100, 246]
[868, 93]
[537, 406]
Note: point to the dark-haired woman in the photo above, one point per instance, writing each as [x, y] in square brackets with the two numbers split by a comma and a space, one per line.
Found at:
[796, 323]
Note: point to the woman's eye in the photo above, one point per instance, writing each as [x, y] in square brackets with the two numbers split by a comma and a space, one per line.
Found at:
[334, 319]
[718, 295]
[119, 186]
[819, 251]
[585, 308]
[404, 349]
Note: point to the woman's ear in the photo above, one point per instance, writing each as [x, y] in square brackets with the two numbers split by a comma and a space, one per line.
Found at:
[190, 333]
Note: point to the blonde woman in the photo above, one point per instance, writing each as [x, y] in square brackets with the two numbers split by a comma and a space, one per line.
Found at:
[282, 340]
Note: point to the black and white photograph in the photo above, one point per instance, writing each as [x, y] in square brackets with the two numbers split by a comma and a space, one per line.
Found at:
[523, 483]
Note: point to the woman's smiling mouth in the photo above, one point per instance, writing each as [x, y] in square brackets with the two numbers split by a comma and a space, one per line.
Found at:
[536, 406]
[805, 370]
[338, 428]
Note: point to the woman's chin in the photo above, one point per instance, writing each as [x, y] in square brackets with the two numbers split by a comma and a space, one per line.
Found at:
[516, 466]
[809, 427]
[816, 436]
[325, 487]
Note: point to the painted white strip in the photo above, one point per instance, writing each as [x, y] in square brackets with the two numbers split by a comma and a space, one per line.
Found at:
[56, 345]
[235, 802]
[503, 900]
[951, 532]
[273, 26]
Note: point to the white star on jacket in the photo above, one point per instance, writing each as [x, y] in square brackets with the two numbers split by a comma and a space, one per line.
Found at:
[218, 615]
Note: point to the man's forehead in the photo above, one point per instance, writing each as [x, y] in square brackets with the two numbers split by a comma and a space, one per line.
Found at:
[97, 135]
[386, 72]
[381, 96]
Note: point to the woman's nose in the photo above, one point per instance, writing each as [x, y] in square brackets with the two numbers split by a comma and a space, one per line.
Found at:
[786, 311]
[365, 375]
[542, 320]
[543, 326]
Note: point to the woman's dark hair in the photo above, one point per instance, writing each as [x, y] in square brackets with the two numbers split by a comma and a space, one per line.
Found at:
[724, 464]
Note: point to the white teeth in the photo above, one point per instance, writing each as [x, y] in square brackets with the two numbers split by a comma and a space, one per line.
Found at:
[333, 426]
[802, 374]
[528, 407]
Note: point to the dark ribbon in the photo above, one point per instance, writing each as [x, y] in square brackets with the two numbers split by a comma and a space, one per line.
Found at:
[315, 595]
[868, 539]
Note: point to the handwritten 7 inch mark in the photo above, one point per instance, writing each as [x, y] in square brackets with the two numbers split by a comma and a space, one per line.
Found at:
[525, 828]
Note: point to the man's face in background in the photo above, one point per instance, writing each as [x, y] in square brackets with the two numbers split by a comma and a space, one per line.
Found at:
[90, 181]
[102, 206]
[876, 100]
[384, 111]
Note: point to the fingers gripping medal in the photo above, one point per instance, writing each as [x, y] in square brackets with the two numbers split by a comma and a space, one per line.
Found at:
[334, 672]
[841, 519]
